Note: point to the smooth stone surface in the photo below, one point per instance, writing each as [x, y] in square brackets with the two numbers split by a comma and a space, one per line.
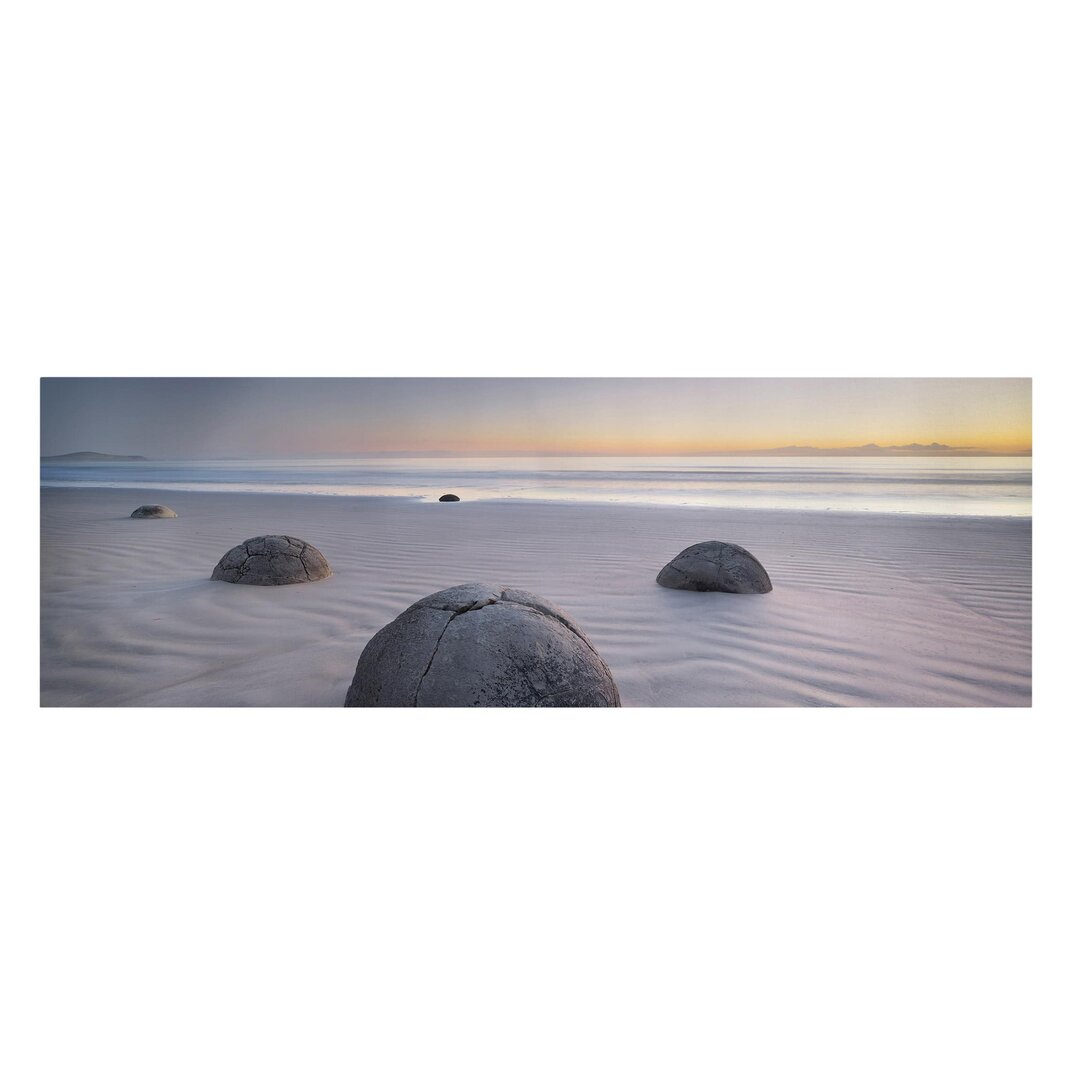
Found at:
[715, 566]
[481, 646]
[271, 560]
[449, 498]
[153, 510]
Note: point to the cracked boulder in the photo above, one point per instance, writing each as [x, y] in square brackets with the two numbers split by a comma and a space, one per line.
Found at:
[153, 510]
[715, 566]
[481, 646]
[271, 560]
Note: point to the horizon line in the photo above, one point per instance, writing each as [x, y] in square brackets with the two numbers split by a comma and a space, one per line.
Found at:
[864, 450]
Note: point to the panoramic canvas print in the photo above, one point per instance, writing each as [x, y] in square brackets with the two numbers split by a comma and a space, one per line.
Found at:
[507, 542]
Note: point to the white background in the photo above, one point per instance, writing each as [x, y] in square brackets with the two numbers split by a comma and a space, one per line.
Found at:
[566, 189]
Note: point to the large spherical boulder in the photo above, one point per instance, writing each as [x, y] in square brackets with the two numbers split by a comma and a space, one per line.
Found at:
[481, 645]
[153, 510]
[715, 566]
[449, 498]
[271, 560]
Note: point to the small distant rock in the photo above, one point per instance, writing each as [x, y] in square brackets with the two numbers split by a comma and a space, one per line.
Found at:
[272, 560]
[480, 646]
[152, 511]
[449, 498]
[715, 566]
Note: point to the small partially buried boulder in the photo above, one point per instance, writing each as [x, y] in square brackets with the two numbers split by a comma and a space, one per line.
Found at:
[271, 560]
[715, 566]
[153, 510]
[449, 498]
[481, 645]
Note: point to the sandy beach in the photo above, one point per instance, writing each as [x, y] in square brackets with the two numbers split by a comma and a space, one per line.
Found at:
[867, 609]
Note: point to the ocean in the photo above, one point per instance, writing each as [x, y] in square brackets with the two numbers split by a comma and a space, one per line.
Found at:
[994, 486]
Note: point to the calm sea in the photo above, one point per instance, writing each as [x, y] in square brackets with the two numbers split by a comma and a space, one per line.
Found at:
[985, 485]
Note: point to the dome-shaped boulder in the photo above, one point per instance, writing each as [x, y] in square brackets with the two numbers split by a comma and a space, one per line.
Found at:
[449, 498]
[715, 566]
[271, 560]
[153, 510]
[481, 645]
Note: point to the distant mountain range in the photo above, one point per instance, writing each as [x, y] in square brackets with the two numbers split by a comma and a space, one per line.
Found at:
[873, 450]
[92, 455]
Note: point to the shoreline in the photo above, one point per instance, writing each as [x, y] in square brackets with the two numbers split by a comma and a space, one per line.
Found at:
[152, 491]
[867, 609]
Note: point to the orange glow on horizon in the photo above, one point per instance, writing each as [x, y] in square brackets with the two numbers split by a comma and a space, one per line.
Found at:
[569, 443]
[674, 417]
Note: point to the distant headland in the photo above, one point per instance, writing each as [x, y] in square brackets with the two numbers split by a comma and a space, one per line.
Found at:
[873, 450]
[93, 455]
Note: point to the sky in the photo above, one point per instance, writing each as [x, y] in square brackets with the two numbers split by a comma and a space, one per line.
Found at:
[276, 417]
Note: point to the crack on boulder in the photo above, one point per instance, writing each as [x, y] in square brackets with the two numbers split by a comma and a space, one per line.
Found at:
[438, 642]
[475, 605]
[556, 616]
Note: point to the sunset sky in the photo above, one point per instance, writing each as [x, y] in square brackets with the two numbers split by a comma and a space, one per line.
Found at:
[272, 417]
